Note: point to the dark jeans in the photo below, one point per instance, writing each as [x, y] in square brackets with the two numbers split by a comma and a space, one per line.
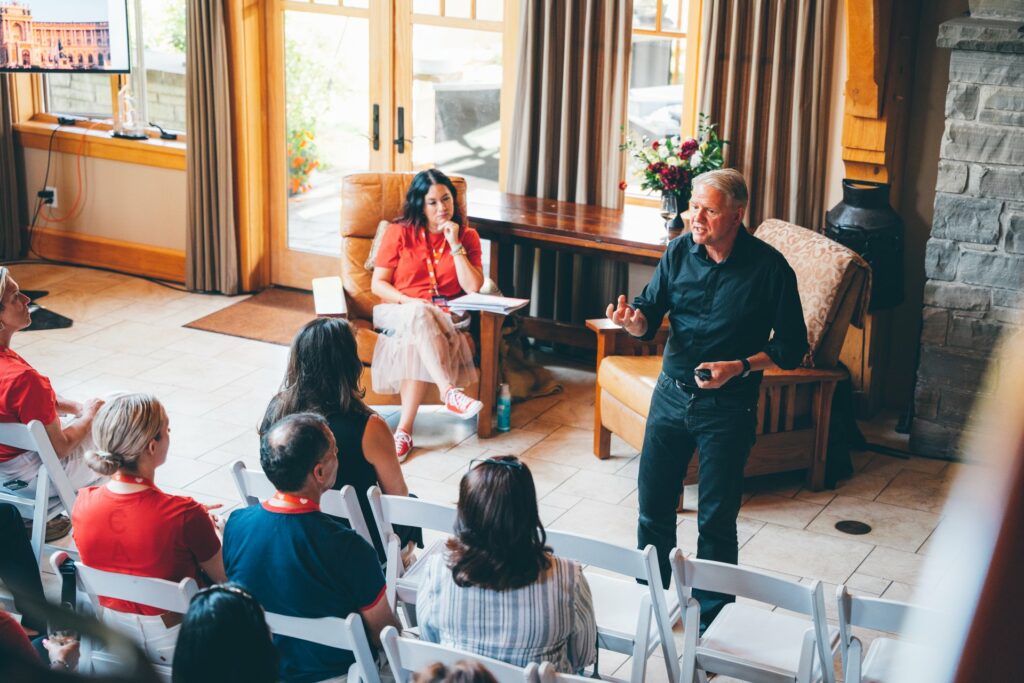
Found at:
[721, 427]
[18, 567]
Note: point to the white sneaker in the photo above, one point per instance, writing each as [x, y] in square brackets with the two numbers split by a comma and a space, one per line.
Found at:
[455, 401]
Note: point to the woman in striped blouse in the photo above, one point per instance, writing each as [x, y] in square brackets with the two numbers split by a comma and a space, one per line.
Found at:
[498, 591]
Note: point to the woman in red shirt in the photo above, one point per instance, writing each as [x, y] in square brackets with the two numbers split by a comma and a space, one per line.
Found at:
[427, 257]
[129, 526]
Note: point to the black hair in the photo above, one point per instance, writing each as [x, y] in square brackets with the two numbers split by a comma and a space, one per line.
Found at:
[224, 638]
[291, 448]
[415, 198]
[323, 373]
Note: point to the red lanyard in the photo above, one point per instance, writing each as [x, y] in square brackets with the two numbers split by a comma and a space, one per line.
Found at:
[432, 256]
[301, 504]
[132, 479]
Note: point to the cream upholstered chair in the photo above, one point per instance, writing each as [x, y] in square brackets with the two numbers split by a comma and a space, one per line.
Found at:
[795, 406]
[368, 199]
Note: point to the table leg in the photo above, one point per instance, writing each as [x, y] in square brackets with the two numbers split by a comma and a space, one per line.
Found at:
[490, 337]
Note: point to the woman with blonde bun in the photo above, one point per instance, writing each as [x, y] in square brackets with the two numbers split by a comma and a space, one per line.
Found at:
[130, 526]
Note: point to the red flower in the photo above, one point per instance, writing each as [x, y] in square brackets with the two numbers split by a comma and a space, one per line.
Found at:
[688, 147]
[655, 145]
[622, 185]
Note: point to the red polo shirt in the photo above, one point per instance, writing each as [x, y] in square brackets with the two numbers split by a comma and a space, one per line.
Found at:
[147, 533]
[404, 250]
[25, 395]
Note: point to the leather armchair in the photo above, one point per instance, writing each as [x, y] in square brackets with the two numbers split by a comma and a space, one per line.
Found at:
[795, 406]
[367, 199]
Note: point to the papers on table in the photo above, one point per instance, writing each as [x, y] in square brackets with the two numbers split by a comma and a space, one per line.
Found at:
[486, 302]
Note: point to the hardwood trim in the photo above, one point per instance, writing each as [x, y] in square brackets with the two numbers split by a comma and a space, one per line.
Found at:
[457, 22]
[509, 84]
[691, 72]
[338, 10]
[131, 257]
[99, 145]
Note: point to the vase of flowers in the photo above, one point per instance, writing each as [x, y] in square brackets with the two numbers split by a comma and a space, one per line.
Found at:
[669, 165]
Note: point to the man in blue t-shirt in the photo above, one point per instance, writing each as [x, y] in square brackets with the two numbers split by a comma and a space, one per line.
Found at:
[302, 562]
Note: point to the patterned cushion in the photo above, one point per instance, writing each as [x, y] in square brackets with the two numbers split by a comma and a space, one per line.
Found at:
[825, 271]
[371, 260]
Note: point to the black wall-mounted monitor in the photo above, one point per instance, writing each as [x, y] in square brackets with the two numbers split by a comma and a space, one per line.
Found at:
[64, 36]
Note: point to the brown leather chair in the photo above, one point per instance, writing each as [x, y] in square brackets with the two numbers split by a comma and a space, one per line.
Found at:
[367, 199]
[795, 406]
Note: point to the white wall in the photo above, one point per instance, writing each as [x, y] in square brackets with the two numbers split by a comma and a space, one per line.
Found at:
[120, 201]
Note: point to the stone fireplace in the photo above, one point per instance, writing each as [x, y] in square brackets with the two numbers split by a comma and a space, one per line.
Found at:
[975, 254]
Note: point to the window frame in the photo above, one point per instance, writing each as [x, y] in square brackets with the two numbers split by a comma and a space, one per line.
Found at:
[688, 121]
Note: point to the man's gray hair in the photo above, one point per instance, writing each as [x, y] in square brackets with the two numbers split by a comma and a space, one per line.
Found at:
[729, 181]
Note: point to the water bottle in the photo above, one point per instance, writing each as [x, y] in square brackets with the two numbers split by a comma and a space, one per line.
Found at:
[504, 408]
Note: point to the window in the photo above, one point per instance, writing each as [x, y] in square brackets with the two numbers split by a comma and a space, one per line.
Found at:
[157, 42]
[660, 83]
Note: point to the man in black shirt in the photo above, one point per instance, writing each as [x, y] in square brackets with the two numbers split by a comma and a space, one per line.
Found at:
[725, 292]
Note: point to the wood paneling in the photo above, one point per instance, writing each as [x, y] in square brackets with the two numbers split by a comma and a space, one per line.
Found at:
[99, 144]
[128, 257]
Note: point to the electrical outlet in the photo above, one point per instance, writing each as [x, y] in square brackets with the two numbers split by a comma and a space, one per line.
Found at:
[53, 202]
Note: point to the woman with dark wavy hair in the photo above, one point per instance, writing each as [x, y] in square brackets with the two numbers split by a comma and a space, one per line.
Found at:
[427, 257]
[498, 591]
[323, 377]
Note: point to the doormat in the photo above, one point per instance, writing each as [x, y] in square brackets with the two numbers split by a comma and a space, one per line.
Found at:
[274, 315]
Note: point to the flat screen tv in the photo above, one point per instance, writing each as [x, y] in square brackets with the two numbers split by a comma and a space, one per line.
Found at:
[45, 36]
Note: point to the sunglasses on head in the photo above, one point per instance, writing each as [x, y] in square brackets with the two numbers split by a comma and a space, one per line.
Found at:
[225, 588]
[511, 464]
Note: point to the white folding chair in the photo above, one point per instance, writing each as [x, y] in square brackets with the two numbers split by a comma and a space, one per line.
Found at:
[343, 634]
[409, 655]
[545, 672]
[39, 508]
[749, 642]
[93, 583]
[254, 487]
[622, 606]
[389, 510]
[879, 615]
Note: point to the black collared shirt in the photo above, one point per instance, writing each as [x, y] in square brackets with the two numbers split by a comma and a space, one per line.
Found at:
[725, 311]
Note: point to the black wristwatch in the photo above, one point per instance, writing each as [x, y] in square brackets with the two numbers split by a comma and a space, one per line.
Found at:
[746, 367]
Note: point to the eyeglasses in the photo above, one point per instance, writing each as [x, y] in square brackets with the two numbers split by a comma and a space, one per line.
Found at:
[227, 588]
[511, 464]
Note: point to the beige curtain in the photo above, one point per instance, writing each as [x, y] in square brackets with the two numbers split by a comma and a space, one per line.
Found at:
[211, 253]
[569, 112]
[765, 79]
[10, 200]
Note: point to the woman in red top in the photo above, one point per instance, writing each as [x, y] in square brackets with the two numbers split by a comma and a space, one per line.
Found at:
[129, 526]
[426, 258]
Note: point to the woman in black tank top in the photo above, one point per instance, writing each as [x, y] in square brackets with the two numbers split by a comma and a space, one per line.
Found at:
[323, 377]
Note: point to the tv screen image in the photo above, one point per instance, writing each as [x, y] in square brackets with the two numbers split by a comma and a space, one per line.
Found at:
[85, 36]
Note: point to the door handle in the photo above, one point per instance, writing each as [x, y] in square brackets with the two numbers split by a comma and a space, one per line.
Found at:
[376, 126]
[401, 139]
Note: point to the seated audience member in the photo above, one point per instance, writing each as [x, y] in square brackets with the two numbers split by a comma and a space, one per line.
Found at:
[299, 561]
[18, 568]
[426, 257]
[323, 377]
[62, 656]
[224, 639]
[129, 526]
[26, 395]
[498, 591]
[462, 671]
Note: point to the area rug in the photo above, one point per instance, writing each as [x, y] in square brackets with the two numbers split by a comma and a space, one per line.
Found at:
[274, 315]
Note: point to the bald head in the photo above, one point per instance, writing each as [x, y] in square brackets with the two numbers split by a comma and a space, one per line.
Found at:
[292, 447]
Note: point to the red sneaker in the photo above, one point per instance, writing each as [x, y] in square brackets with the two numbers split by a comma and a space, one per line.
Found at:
[403, 445]
[458, 403]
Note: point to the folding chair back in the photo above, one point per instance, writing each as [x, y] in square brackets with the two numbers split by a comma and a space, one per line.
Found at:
[254, 487]
[390, 510]
[33, 437]
[409, 655]
[737, 641]
[633, 564]
[343, 634]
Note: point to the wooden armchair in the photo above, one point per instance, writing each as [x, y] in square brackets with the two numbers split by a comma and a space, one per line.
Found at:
[795, 406]
[368, 199]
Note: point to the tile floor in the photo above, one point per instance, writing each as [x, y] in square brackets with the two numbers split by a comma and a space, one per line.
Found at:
[128, 335]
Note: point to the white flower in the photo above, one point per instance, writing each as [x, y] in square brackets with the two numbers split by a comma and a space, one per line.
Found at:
[672, 161]
[663, 151]
[651, 156]
[695, 159]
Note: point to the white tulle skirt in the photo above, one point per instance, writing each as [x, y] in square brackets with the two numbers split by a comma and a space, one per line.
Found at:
[419, 341]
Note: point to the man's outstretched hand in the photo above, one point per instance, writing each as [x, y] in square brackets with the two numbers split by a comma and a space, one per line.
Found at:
[630, 319]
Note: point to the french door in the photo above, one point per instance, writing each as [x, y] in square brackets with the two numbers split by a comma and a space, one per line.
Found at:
[378, 85]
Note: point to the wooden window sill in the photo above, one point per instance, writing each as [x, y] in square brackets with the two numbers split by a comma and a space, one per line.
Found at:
[99, 144]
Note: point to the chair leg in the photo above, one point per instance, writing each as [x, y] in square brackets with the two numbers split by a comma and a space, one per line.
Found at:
[40, 512]
[821, 407]
[602, 441]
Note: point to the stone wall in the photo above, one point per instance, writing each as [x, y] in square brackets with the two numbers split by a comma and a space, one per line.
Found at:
[87, 94]
[974, 260]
